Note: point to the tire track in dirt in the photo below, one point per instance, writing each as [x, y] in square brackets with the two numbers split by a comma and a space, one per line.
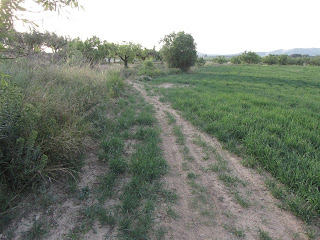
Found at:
[230, 220]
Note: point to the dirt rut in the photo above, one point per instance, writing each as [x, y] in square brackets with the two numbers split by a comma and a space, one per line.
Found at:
[209, 208]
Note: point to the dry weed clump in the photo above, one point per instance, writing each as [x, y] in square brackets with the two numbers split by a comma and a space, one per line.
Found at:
[43, 125]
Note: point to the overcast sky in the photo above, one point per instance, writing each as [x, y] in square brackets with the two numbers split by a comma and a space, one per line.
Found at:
[218, 26]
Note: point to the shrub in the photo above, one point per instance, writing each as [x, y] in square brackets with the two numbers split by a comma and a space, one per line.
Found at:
[148, 68]
[270, 59]
[201, 62]
[115, 82]
[283, 60]
[220, 59]
[128, 72]
[236, 60]
[21, 157]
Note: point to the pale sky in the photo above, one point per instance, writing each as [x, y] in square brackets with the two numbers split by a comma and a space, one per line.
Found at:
[218, 27]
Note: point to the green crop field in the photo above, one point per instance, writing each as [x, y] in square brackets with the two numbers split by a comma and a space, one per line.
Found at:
[268, 114]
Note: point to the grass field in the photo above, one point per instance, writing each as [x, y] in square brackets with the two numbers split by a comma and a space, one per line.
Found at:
[269, 114]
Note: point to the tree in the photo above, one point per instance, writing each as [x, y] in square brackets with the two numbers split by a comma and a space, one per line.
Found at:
[220, 59]
[271, 59]
[127, 51]
[179, 50]
[55, 42]
[113, 48]
[250, 57]
[8, 15]
[283, 59]
[201, 62]
[103, 50]
[236, 59]
[143, 53]
[155, 54]
[90, 49]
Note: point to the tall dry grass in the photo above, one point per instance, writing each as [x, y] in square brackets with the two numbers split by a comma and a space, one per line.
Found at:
[43, 126]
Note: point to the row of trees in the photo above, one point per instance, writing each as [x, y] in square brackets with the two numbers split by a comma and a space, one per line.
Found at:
[95, 50]
[179, 49]
[23, 44]
[295, 59]
[9, 14]
[253, 58]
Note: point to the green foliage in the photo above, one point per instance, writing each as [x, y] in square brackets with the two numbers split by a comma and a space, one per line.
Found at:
[140, 170]
[36, 232]
[43, 119]
[179, 50]
[118, 165]
[21, 159]
[147, 163]
[9, 14]
[144, 53]
[269, 113]
[55, 42]
[127, 51]
[250, 58]
[283, 59]
[295, 59]
[147, 68]
[270, 59]
[150, 69]
[236, 60]
[113, 147]
[220, 60]
[200, 61]
[27, 43]
[148, 64]
[91, 49]
[115, 83]
[264, 235]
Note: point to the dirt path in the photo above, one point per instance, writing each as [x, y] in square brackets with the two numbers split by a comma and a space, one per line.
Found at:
[219, 198]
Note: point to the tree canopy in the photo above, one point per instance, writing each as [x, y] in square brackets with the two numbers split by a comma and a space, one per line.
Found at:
[179, 50]
[127, 51]
[10, 8]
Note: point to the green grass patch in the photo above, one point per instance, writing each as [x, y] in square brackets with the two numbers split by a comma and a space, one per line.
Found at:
[179, 134]
[133, 119]
[171, 118]
[112, 147]
[36, 232]
[239, 232]
[269, 113]
[263, 235]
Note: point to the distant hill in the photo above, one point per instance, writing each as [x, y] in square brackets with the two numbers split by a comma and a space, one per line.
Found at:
[302, 51]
